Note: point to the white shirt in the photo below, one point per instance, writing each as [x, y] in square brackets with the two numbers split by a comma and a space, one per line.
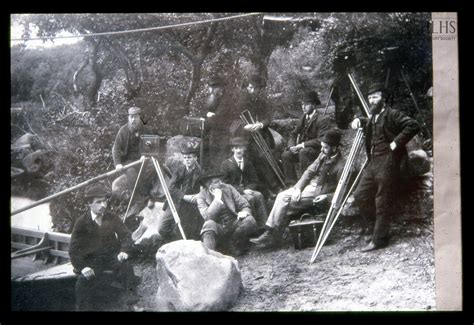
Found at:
[96, 218]
[240, 163]
[308, 117]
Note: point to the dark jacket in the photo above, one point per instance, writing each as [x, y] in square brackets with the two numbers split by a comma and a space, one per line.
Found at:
[211, 210]
[397, 127]
[311, 132]
[97, 247]
[120, 147]
[179, 187]
[239, 179]
[326, 172]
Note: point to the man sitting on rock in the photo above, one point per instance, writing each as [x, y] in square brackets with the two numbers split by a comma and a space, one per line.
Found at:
[228, 220]
[239, 172]
[99, 251]
[316, 186]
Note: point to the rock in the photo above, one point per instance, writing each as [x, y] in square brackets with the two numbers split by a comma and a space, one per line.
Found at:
[37, 162]
[194, 278]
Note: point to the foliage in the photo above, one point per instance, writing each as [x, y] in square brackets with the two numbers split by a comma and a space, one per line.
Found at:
[87, 87]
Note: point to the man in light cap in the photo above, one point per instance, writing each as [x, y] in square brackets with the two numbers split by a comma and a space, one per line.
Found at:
[315, 187]
[126, 149]
[100, 248]
[304, 144]
[386, 134]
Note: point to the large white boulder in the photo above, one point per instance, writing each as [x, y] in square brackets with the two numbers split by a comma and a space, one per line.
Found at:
[194, 278]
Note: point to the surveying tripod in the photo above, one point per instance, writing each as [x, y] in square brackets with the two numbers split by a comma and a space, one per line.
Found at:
[162, 180]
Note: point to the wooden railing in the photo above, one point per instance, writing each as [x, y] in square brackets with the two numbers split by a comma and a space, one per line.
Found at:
[49, 246]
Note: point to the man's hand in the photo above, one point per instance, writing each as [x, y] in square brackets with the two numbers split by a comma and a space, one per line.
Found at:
[189, 198]
[296, 195]
[217, 192]
[142, 158]
[393, 145]
[210, 114]
[118, 167]
[297, 148]
[253, 127]
[355, 124]
[87, 272]
[319, 199]
[122, 256]
[248, 191]
[242, 215]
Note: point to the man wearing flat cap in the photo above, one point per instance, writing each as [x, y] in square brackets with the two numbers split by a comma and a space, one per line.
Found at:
[184, 187]
[387, 132]
[100, 248]
[304, 144]
[315, 187]
[126, 149]
[240, 172]
[228, 221]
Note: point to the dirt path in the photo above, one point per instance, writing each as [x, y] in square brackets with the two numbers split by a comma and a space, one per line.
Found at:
[398, 277]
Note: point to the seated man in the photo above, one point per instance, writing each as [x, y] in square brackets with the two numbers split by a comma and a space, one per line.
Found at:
[227, 216]
[239, 172]
[184, 187]
[99, 251]
[316, 185]
[304, 144]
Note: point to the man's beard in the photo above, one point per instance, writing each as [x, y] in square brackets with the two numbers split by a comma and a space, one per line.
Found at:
[376, 108]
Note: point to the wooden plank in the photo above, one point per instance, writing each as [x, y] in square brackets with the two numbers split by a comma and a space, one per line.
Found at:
[63, 271]
[20, 245]
[60, 237]
[63, 254]
[27, 232]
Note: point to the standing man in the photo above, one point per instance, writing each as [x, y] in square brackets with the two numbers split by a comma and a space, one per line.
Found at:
[386, 134]
[239, 172]
[184, 187]
[228, 221]
[304, 145]
[220, 111]
[99, 250]
[315, 187]
[258, 106]
[126, 149]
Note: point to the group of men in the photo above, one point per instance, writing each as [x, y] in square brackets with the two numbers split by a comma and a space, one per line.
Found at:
[225, 205]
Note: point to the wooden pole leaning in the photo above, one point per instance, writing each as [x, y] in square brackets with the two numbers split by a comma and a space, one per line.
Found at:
[143, 159]
[174, 212]
[337, 203]
[76, 187]
[340, 190]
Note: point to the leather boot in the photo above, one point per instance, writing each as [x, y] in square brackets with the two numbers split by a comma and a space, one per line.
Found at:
[209, 240]
[266, 239]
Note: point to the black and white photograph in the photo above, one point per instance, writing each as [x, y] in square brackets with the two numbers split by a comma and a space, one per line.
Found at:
[232, 162]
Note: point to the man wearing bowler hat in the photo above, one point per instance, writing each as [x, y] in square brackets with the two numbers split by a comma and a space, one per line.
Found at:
[304, 144]
[228, 221]
[386, 134]
[100, 248]
[258, 106]
[315, 187]
[240, 172]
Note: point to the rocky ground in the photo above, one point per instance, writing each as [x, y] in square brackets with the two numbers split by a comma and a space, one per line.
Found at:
[398, 277]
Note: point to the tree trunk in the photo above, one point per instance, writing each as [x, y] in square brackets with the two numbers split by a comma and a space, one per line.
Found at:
[94, 86]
